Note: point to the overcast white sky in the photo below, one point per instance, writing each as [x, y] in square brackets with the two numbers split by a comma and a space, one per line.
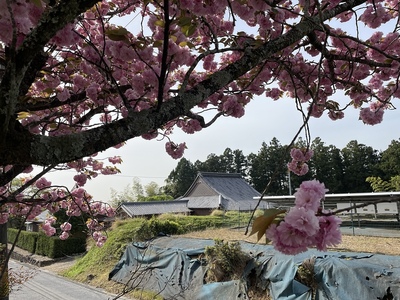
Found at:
[264, 119]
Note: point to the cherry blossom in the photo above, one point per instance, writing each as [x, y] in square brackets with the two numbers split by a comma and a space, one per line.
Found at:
[298, 164]
[329, 233]
[306, 224]
[176, 151]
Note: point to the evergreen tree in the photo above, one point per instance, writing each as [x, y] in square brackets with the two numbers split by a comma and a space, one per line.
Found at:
[180, 179]
[269, 163]
[390, 160]
[326, 165]
[359, 162]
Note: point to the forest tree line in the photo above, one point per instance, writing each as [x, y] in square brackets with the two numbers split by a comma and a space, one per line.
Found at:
[356, 168]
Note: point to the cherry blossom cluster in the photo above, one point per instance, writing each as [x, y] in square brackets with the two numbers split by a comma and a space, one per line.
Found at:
[65, 227]
[306, 224]
[176, 151]
[47, 226]
[43, 195]
[92, 50]
[97, 232]
[298, 164]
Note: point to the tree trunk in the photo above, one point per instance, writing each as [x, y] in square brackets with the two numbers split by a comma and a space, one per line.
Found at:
[4, 284]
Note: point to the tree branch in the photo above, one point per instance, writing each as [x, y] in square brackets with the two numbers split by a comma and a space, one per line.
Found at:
[44, 150]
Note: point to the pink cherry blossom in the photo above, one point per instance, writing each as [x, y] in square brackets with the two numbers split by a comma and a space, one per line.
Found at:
[335, 115]
[64, 235]
[287, 239]
[298, 168]
[48, 229]
[232, 107]
[80, 179]
[297, 154]
[329, 233]
[150, 135]
[303, 220]
[115, 160]
[190, 126]
[42, 183]
[66, 226]
[309, 194]
[175, 151]
[371, 117]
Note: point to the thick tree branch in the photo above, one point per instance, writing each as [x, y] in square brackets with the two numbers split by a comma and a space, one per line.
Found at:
[45, 150]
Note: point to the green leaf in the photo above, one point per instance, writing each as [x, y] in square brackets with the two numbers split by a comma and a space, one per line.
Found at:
[261, 223]
[158, 43]
[186, 43]
[188, 30]
[23, 115]
[159, 23]
[184, 21]
[117, 34]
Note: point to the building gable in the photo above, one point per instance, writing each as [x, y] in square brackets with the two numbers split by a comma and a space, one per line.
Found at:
[228, 191]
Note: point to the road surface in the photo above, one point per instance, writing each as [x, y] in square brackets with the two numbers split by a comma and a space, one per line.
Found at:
[45, 285]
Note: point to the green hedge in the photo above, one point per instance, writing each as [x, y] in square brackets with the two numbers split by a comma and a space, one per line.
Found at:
[53, 247]
[41, 244]
[27, 240]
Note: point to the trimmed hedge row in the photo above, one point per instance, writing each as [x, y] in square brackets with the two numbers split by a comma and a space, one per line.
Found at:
[41, 244]
[26, 240]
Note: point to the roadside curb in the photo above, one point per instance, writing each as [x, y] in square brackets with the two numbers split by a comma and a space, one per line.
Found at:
[33, 259]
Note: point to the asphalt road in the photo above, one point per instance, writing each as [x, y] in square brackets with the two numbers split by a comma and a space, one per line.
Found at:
[45, 285]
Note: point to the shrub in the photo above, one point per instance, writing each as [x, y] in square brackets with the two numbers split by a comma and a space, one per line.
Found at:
[226, 261]
[171, 216]
[258, 213]
[305, 274]
[217, 213]
[153, 227]
[53, 247]
[231, 213]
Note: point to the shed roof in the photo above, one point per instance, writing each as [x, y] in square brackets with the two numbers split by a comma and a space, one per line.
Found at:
[134, 209]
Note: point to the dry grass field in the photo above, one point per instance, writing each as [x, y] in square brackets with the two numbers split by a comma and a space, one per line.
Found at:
[357, 243]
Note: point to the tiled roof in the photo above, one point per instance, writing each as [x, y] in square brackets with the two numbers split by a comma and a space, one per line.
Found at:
[246, 205]
[209, 190]
[154, 207]
[204, 202]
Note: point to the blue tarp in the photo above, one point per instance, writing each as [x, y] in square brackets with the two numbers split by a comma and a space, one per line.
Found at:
[174, 268]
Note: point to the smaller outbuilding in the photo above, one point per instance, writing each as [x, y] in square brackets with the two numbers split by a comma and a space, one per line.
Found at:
[34, 225]
[151, 208]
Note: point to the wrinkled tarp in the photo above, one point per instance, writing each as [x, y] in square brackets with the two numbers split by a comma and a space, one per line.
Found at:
[174, 268]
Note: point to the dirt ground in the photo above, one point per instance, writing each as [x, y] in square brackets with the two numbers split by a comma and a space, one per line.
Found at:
[357, 243]
[61, 265]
